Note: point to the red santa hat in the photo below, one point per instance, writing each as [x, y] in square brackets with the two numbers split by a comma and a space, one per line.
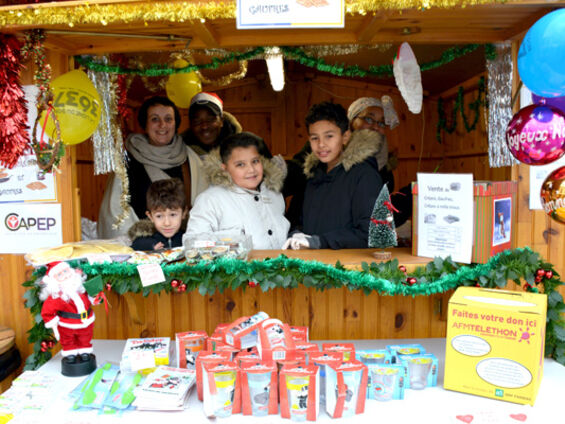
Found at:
[55, 267]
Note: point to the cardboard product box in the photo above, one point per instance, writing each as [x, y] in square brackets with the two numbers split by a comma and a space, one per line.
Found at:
[245, 357]
[322, 359]
[386, 382]
[494, 218]
[259, 388]
[188, 345]
[398, 351]
[299, 392]
[348, 349]
[299, 334]
[221, 389]
[303, 351]
[275, 340]
[421, 370]
[242, 333]
[373, 356]
[495, 343]
[346, 388]
[206, 357]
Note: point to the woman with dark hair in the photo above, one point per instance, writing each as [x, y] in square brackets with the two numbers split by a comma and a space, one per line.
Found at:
[157, 154]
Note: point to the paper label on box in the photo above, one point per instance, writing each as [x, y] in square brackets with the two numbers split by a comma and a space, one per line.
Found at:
[150, 274]
[142, 359]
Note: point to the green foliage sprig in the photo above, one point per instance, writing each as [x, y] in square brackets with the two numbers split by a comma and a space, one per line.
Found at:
[387, 278]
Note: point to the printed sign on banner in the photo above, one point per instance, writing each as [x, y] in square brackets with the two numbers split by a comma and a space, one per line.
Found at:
[25, 227]
[257, 14]
[26, 182]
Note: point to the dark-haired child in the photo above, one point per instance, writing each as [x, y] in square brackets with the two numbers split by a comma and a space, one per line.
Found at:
[244, 194]
[166, 210]
[342, 183]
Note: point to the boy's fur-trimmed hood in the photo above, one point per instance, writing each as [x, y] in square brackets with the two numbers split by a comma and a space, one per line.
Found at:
[145, 228]
[274, 171]
[361, 145]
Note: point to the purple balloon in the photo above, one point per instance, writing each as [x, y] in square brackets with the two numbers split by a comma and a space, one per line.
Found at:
[558, 102]
[536, 134]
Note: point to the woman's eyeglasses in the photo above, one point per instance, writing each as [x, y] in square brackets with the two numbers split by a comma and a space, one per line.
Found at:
[370, 121]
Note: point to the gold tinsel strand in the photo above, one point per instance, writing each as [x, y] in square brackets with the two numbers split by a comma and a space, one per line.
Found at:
[226, 79]
[96, 14]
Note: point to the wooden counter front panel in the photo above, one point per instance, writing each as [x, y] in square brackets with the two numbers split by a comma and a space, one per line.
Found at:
[330, 314]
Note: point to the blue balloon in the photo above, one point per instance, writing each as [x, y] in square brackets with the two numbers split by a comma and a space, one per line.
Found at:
[541, 58]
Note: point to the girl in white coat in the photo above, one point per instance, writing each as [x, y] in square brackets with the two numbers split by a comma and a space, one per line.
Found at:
[244, 194]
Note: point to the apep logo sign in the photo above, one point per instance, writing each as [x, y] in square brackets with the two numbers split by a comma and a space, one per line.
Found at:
[26, 227]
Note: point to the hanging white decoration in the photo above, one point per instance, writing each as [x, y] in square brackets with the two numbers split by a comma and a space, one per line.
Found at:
[408, 77]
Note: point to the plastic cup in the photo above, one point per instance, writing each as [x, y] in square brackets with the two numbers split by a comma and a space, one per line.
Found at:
[322, 382]
[373, 358]
[419, 369]
[223, 399]
[191, 350]
[259, 392]
[297, 391]
[383, 382]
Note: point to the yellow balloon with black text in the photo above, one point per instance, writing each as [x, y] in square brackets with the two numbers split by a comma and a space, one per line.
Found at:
[77, 108]
[183, 86]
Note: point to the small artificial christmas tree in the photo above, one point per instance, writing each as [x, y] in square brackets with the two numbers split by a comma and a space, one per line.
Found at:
[382, 232]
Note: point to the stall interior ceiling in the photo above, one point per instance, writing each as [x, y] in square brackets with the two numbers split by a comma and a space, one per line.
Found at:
[366, 40]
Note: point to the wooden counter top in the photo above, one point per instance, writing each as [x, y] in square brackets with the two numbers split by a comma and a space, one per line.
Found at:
[349, 258]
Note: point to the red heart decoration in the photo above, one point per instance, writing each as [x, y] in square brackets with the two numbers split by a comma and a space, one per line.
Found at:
[519, 417]
[465, 418]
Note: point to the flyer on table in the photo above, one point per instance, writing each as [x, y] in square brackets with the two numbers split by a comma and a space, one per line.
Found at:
[445, 216]
[25, 227]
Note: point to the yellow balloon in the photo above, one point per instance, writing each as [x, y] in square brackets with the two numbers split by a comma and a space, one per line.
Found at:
[182, 87]
[77, 107]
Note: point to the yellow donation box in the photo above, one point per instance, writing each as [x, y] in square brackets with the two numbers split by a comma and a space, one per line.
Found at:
[495, 343]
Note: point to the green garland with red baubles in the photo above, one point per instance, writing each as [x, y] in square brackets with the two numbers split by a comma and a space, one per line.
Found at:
[523, 266]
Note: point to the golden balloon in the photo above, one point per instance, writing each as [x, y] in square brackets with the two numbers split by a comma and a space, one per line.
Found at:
[182, 87]
[553, 195]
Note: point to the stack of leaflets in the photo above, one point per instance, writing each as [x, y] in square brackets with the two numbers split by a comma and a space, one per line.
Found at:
[145, 353]
[165, 389]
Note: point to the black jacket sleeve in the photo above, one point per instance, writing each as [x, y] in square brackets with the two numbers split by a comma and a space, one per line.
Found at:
[144, 243]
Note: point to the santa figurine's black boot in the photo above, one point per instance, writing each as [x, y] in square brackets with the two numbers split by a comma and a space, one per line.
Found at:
[82, 364]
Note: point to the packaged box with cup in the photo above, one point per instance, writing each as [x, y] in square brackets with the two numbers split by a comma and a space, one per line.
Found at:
[346, 388]
[322, 359]
[299, 333]
[188, 345]
[386, 382]
[207, 357]
[303, 351]
[348, 349]
[299, 392]
[495, 343]
[242, 333]
[373, 356]
[275, 340]
[421, 370]
[399, 350]
[259, 395]
[220, 388]
[245, 356]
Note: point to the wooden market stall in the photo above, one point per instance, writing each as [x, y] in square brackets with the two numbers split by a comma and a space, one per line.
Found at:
[134, 27]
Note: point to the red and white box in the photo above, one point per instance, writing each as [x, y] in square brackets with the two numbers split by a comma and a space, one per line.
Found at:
[221, 389]
[303, 351]
[299, 392]
[243, 333]
[213, 340]
[275, 340]
[189, 344]
[259, 388]
[346, 388]
[245, 356]
[207, 357]
[348, 349]
[299, 334]
[224, 347]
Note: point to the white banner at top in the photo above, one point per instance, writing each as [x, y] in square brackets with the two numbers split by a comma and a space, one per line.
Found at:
[261, 14]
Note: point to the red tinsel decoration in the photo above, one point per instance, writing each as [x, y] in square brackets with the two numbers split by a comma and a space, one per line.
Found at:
[14, 136]
[123, 81]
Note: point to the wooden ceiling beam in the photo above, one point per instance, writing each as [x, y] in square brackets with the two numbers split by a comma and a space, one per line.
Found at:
[370, 26]
[118, 45]
[205, 33]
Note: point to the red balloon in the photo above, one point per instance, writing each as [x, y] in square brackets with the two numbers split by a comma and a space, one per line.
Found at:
[536, 134]
[553, 195]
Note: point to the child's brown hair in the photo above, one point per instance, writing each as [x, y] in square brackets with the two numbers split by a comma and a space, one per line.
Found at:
[166, 194]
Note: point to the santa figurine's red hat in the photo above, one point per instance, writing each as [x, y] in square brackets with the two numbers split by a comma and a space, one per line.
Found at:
[55, 267]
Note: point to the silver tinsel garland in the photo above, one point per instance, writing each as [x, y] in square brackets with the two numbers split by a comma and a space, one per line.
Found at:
[500, 106]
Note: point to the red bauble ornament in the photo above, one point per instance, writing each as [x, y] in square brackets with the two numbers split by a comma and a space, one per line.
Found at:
[44, 344]
[478, 285]
[402, 268]
[182, 287]
[538, 279]
[44, 349]
[411, 281]
[252, 283]
[175, 283]
[108, 287]
[549, 274]
[540, 273]
[50, 344]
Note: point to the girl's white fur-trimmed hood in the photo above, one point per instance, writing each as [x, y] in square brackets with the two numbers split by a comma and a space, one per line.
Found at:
[274, 171]
[361, 145]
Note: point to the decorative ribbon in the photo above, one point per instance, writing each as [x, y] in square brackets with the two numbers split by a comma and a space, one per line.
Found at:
[101, 297]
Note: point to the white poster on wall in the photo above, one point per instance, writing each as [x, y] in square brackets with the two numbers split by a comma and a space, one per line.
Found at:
[445, 216]
[25, 227]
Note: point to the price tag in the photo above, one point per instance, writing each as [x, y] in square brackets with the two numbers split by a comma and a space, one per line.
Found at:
[150, 274]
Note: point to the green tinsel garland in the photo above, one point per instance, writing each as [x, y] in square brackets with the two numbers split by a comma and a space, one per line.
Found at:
[438, 276]
[290, 53]
[459, 106]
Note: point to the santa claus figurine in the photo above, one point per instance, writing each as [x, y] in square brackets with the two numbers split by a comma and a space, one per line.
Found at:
[67, 310]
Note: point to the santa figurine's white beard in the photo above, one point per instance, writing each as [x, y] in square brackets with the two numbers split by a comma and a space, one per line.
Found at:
[65, 290]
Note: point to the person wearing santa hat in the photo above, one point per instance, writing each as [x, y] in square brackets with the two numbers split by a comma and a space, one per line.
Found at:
[67, 311]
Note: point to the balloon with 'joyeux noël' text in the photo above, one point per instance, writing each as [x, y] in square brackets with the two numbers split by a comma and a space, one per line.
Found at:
[536, 134]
